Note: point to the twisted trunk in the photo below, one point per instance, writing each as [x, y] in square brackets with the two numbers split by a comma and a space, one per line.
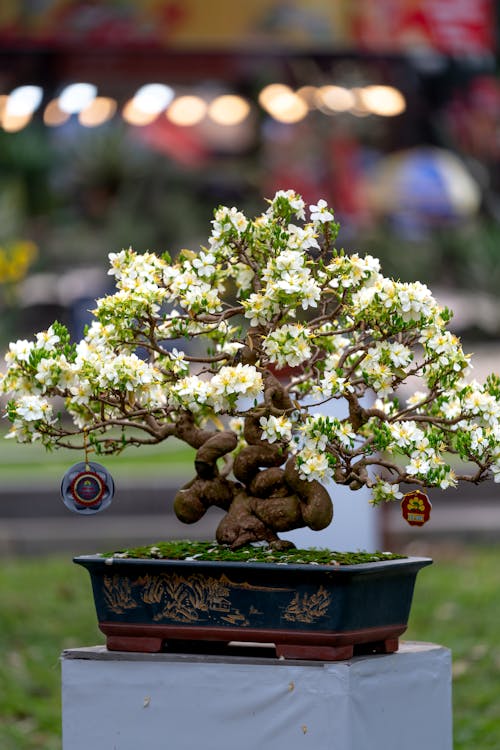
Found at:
[266, 497]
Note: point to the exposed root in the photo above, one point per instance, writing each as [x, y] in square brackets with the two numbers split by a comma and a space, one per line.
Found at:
[266, 498]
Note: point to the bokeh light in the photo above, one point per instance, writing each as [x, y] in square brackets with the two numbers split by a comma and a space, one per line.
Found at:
[282, 103]
[335, 99]
[271, 92]
[24, 100]
[308, 94]
[135, 116]
[187, 110]
[385, 101]
[153, 98]
[12, 123]
[99, 111]
[53, 114]
[229, 109]
[76, 97]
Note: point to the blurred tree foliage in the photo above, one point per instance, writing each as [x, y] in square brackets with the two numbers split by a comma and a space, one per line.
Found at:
[461, 256]
[82, 194]
[79, 194]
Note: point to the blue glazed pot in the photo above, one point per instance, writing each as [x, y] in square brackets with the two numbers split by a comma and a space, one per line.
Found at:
[307, 611]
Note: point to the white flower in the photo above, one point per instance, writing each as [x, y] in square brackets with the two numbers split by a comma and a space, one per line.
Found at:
[204, 264]
[47, 339]
[244, 380]
[415, 301]
[475, 400]
[313, 465]
[243, 275]
[320, 212]
[385, 492]
[310, 294]
[451, 408]
[133, 270]
[417, 399]
[177, 363]
[349, 271]
[45, 373]
[302, 238]
[81, 392]
[228, 219]
[345, 434]
[276, 428]
[478, 439]
[400, 355]
[449, 480]
[23, 432]
[33, 408]
[259, 309]
[201, 297]
[288, 345]
[237, 425]
[418, 466]
[333, 385]
[294, 201]
[288, 260]
[191, 393]
[405, 434]
[496, 471]
[20, 350]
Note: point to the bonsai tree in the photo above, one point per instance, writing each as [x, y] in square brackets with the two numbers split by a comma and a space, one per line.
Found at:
[236, 350]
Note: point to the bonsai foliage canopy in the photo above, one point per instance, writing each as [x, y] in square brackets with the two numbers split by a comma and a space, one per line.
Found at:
[238, 348]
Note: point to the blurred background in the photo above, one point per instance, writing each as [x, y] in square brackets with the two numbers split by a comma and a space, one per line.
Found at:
[124, 123]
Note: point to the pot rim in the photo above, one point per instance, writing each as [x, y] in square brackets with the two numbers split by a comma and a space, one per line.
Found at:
[98, 560]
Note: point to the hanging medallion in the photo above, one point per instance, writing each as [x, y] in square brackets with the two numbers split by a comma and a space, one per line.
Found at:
[87, 488]
[416, 508]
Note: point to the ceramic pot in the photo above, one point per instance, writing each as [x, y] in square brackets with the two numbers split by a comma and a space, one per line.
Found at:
[307, 611]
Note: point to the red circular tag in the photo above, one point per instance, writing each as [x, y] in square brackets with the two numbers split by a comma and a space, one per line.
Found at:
[88, 488]
[416, 508]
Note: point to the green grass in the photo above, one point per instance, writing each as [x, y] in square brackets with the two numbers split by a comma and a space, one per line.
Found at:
[46, 606]
[457, 604]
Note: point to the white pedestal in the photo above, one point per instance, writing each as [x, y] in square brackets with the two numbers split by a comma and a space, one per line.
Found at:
[123, 701]
[356, 524]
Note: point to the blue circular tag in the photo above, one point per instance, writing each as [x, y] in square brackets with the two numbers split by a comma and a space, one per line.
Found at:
[87, 488]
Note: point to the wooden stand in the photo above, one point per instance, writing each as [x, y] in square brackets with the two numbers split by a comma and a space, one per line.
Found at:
[296, 644]
[248, 698]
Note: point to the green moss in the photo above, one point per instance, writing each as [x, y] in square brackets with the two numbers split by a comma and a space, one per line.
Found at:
[184, 550]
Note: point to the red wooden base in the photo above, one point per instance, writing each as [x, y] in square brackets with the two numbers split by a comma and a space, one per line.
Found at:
[335, 653]
[294, 644]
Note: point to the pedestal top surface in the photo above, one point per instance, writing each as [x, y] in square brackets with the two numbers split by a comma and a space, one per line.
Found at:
[238, 653]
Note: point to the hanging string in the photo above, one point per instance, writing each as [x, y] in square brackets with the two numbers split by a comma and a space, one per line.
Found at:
[86, 449]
